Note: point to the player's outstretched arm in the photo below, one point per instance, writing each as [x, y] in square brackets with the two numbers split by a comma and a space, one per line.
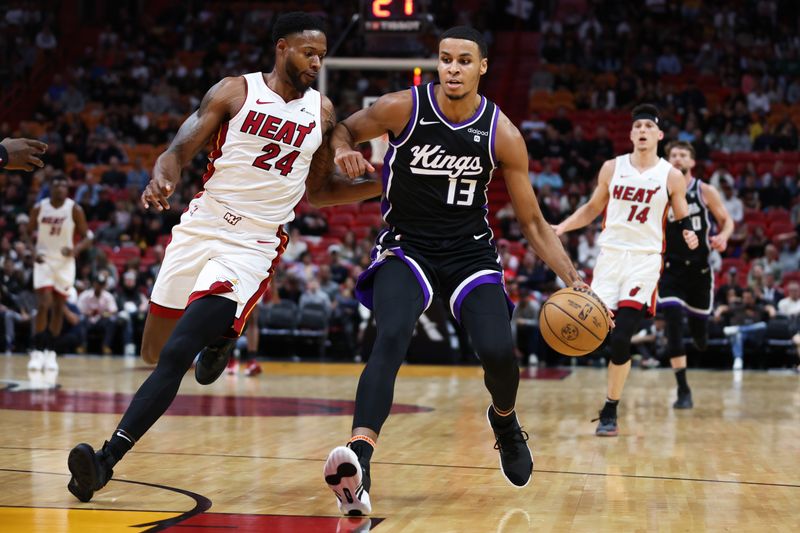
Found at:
[195, 132]
[389, 113]
[589, 211]
[513, 157]
[323, 186]
[724, 221]
[676, 184]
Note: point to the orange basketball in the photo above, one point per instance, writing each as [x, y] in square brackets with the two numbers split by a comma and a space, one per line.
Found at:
[574, 321]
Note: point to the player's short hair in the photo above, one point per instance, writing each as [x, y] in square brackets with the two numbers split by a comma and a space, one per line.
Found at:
[645, 111]
[295, 22]
[683, 145]
[58, 177]
[468, 34]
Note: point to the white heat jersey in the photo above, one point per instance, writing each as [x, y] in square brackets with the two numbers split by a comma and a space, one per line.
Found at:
[56, 228]
[637, 208]
[261, 156]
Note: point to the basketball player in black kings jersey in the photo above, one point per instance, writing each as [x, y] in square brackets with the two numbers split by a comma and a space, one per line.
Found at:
[445, 140]
[687, 284]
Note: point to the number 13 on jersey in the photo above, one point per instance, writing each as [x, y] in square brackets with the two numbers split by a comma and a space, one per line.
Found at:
[461, 191]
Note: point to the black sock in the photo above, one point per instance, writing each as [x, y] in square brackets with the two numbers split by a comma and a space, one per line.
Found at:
[680, 377]
[610, 408]
[118, 445]
[42, 340]
[362, 449]
[244, 355]
[499, 421]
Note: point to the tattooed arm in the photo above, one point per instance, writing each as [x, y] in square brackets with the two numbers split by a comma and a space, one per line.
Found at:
[325, 187]
[217, 106]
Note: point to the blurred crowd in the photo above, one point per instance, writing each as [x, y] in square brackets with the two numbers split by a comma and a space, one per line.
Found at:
[726, 76]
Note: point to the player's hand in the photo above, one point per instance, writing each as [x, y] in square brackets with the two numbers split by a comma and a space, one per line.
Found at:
[690, 238]
[718, 243]
[558, 228]
[581, 285]
[157, 192]
[23, 154]
[352, 162]
[66, 251]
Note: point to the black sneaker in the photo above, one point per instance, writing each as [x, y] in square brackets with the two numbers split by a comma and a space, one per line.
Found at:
[608, 423]
[212, 360]
[684, 400]
[516, 461]
[90, 471]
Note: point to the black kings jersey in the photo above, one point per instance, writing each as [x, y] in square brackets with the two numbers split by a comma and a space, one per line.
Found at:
[436, 173]
[699, 216]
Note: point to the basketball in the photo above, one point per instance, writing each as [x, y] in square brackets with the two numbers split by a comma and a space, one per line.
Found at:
[574, 321]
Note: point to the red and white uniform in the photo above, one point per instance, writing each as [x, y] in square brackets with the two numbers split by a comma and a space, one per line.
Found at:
[632, 241]
[56, 231]
[231, 236]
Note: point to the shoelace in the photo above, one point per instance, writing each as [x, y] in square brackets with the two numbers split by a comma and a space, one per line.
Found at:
[506, 441]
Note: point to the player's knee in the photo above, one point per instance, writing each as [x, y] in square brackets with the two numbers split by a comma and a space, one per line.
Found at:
[620, 346]
[495, 354]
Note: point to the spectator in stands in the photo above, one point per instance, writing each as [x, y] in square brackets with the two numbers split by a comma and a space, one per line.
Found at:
[137, 177]
[312, 223]
[46, 40]
[114, 177]
[290, 288]
[316, 296]
[757, 100]
[770, 291]
[668, 62]
[72, 338]
[339, 270]
[133, 306]
[525, 320]
[770, 262]
[588, 249]
[99, 309]
[789, 258]
[547, 177]
[16, 307]
[790, 308]
[326, 284]
[304, 269]
[731, 202]
[746, 320]
[731, 283]
[88, 193]
[756, 241]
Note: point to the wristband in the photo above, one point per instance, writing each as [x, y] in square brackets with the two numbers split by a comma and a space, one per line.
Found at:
[3, 156]
[686, 223]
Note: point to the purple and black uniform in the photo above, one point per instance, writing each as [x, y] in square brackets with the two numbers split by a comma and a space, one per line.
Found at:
[435, 180]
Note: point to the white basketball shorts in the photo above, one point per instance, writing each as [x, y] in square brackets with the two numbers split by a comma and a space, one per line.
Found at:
[215, 250]
[627, 279]
[55, 273]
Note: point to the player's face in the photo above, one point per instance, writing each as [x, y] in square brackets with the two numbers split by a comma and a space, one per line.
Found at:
[303, 53]
[682, 159]
[645, 134]
[58, 190]
[460, 67]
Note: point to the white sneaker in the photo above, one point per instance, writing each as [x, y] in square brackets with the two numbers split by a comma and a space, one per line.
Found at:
[730, 330]
[130, 349]
[37, 360]
[343, 475]
[50, 362]
[737, 363]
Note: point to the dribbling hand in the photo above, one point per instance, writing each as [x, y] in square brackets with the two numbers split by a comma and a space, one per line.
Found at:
[352, 163]
[690, 238]
[157, 193]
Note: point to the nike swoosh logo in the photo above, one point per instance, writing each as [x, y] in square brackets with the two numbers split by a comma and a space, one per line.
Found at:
[423, 122]
[262, 103]
[477, 237]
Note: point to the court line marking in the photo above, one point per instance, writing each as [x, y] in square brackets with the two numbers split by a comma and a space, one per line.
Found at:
[201, 503]
[462, 467]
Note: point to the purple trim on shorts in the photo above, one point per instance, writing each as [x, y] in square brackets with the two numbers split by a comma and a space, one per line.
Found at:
[683, 305]
[495, 277]
[443, 117]
[364, 284]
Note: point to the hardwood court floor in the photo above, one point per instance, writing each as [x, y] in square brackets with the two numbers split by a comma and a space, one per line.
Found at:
[730, 464]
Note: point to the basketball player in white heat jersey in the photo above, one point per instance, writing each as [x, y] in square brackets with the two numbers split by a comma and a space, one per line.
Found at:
[55, 221]
[270, 136]
[635, 190]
